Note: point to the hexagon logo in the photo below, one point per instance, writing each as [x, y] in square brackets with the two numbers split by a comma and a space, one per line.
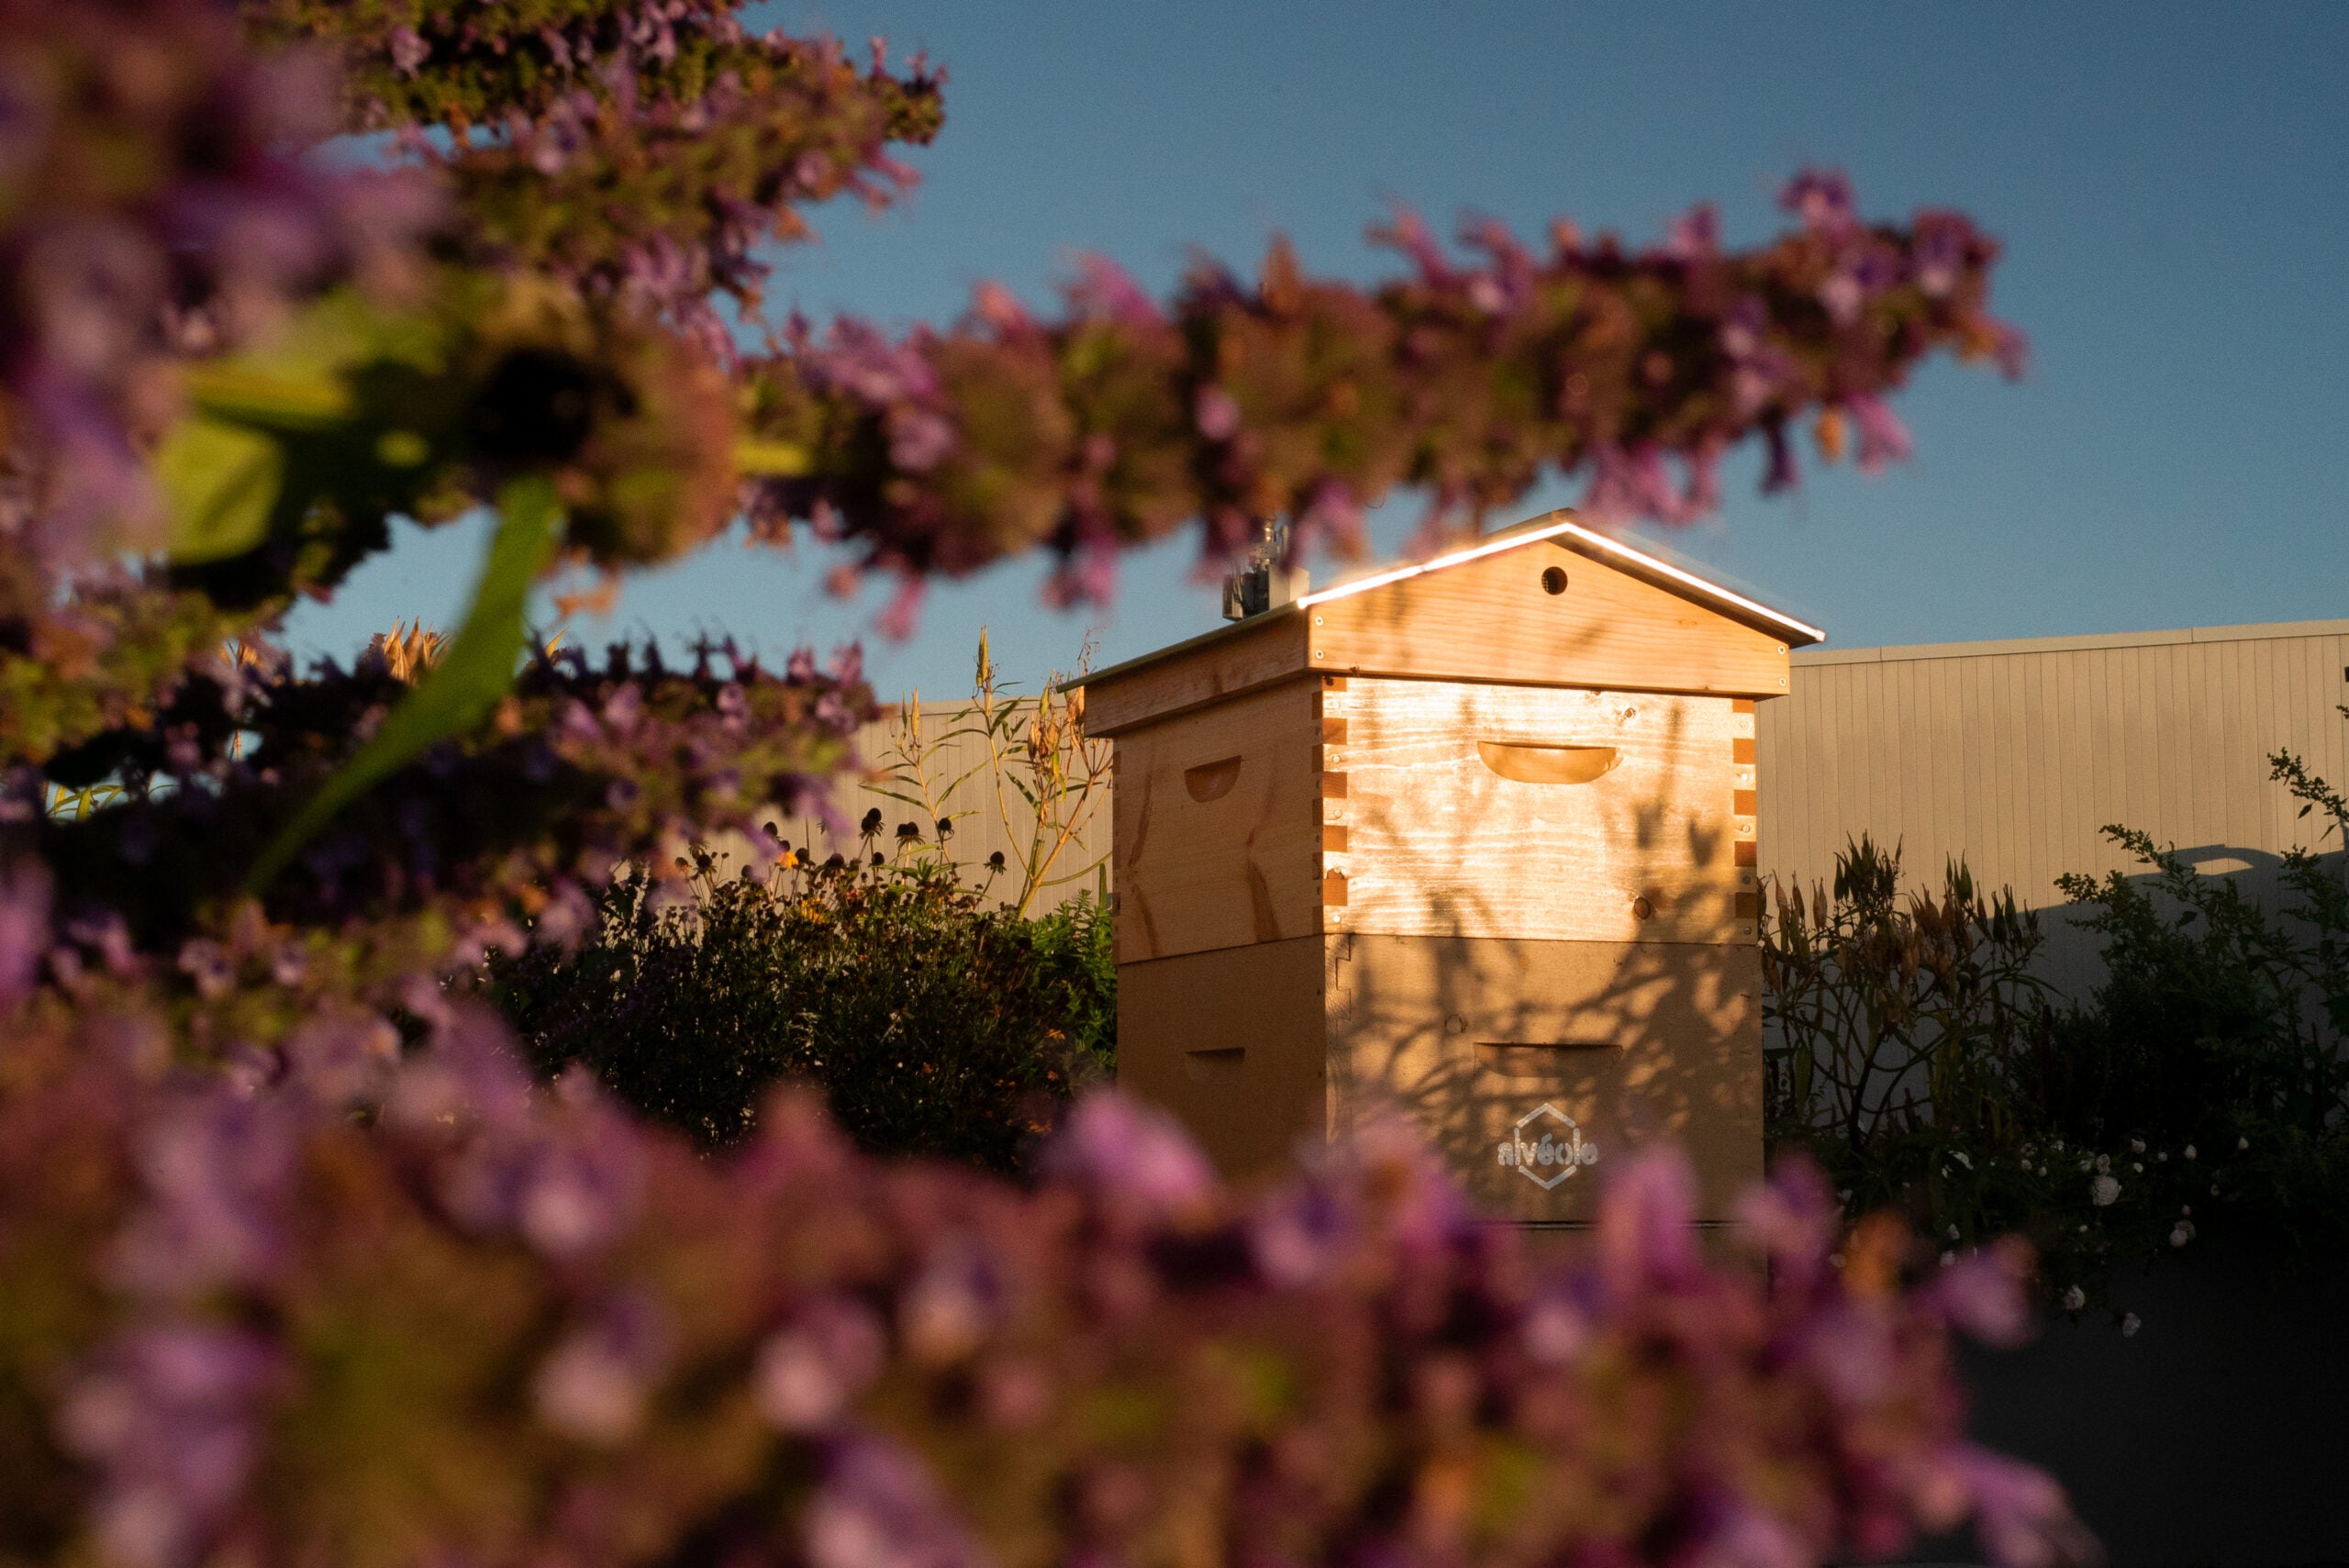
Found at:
[1546, 1146]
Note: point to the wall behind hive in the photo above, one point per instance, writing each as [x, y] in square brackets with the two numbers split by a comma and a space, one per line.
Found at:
[2015, 754]
[981, 828]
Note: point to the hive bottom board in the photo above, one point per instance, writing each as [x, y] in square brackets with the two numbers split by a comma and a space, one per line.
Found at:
[1510, 1056]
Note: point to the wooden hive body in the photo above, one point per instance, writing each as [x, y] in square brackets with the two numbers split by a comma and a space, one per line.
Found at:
[1473, 841]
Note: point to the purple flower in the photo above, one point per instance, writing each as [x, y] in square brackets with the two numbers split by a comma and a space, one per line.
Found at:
[809, 1372]
[169, 1417]
[1937, 253]
[1792, 1219]
[1695, 235]
[217, 1168]
[594, 1384]
[878, 1507]
[1299, 1233]
[1131, 1156]
[1215, 414]
[953, 1303]
[24, 928]
[1407, 231]
[344, 1056]
[2019, 1513]
[1982, 1294]
[408, 51]
[1739, 1535]
[919, 438]
[1647, 1212]
[1821, 198]
[207, 964]
[901, 617]
[1882, 437]
[1104, 291]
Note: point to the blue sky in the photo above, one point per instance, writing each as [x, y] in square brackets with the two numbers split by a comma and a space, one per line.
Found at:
[2171, 182]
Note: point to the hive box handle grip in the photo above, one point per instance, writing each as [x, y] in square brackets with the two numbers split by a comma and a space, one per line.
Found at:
[1211, 781]
[1532, 1058]
[1539, 762]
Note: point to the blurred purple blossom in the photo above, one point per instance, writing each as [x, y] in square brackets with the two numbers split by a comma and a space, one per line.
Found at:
[1647, 1236]
[1821, 198]
[1982, 1295]
[810, 1370]
[24, 928]
[878, 1507]
[168, 1416]
[218, 1169]
[1132, 1156]
[594, 1385]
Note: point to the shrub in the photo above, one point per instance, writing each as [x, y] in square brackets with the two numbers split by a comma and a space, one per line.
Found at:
[1915, 1055]
[932, 1022]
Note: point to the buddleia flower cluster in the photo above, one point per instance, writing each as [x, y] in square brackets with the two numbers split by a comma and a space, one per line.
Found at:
[407, 1310]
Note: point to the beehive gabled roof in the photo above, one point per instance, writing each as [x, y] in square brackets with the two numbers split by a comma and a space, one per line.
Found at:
[1564, 525]
[1639, 622]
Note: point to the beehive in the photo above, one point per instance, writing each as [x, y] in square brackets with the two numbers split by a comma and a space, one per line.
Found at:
[1472, 840]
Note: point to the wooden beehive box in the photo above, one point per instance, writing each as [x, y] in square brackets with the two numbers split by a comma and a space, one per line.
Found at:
[1472, 841]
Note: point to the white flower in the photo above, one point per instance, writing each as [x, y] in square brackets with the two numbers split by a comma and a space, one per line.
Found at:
[1959, 1155]
[2086, 1163]
[1953, 1232]
[2075, 1298]
[2242, 1144]
[2181, 1233]
[2102, 1190]
[2136, 1146]
[1948, 1259]
[2131, 1324]
[2103, 1163]
[2162, 1156]
[2138, 1165]
[2059, 1146]
[2185, 1208]
[2190, 1151]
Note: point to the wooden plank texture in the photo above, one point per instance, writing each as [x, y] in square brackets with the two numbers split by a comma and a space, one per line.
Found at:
[1492, 619]
[1218, 835]
[1236, 659]
[1637, 1042]
[1438, 844]
[1232, 1044]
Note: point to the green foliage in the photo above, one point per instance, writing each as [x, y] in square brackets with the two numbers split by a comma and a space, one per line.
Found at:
[934, 1023]
[459, 690]
[1915, 1054]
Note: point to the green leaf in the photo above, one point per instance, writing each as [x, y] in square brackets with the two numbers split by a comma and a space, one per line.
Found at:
[462, 688]
[221, 481]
